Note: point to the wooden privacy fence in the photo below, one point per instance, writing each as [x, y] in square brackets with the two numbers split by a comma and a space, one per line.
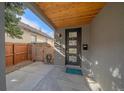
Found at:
[17, 53]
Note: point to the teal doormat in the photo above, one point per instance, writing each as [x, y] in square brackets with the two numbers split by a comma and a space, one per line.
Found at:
[74, 71]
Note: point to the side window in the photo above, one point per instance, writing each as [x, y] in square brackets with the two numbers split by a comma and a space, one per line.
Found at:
[33, 38]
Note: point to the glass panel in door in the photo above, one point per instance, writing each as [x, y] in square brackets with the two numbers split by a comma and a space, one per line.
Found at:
[72, 34]
[72, 42]
[72, 58]
[72, 50]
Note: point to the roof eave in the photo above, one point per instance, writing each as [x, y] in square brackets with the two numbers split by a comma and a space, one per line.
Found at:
[33, 7]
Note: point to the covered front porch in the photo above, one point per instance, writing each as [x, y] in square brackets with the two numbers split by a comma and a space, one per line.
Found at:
[43, 77]
[96, 49]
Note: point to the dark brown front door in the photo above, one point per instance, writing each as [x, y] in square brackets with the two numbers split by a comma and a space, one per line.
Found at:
[73, 46]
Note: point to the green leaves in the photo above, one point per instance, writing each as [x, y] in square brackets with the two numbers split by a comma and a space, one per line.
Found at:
[13, 11]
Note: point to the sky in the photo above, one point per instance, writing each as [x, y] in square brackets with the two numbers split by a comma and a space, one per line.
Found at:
[31, 19]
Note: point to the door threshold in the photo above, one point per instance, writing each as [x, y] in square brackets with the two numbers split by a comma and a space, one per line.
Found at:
[73, 66]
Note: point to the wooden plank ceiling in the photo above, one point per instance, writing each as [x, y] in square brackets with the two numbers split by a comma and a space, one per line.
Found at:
[70, 14]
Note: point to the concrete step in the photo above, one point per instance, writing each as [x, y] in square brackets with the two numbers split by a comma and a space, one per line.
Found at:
[73, 66]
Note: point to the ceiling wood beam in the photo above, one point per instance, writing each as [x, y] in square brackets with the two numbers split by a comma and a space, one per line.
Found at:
[72, 18]
[73, 22]
[72, 10]
[73, 25]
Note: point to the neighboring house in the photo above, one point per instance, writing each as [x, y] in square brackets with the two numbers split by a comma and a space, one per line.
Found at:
[30, 35]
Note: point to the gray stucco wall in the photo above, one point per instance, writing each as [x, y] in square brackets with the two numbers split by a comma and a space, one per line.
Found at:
[2, 48]
[59, 56]
[85, 39]
[105, 37]
[107, 46]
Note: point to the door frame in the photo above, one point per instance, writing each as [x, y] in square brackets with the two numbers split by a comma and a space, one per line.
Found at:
[79, 38]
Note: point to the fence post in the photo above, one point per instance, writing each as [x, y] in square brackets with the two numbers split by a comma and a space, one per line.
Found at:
[13, 54]
[2, 50]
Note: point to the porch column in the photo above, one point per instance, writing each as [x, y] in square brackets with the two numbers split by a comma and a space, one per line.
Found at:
[2, 50]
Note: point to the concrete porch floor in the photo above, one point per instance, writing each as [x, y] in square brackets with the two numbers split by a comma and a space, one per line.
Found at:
[42, 77]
